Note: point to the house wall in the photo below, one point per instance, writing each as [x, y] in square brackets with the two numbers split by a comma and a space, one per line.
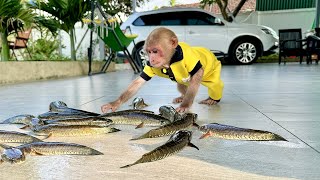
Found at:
[281, 19]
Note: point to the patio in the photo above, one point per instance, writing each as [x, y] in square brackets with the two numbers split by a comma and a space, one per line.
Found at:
[284, 99]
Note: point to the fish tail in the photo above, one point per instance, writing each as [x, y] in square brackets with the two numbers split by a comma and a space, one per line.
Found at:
[96, 152]
[279, 138]
[140, 137]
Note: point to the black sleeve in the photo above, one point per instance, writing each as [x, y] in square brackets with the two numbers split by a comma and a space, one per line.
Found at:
[145, 76]
[196, 68]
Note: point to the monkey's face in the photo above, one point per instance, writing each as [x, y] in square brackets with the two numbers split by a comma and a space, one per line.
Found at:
[158, 56]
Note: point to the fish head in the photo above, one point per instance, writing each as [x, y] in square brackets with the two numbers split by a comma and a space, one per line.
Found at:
[168, 112]
[13, 155]
[182, 135]
[56, 105]
[191, 116]
[138, 103]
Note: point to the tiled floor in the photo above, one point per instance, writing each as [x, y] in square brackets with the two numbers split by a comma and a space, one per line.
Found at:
[282, 99]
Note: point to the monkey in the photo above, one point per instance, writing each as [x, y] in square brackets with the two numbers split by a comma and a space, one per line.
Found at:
[178, 61]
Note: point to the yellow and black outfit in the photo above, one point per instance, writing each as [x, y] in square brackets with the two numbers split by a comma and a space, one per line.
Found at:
[185, 62]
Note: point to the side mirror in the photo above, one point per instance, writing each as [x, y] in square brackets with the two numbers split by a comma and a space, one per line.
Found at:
[218, 21]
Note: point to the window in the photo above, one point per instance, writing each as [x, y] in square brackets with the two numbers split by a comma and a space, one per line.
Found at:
[163, 19]
[199, 18]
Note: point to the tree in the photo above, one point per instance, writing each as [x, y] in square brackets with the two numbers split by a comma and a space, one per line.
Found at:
[64, 14]
[13, 17]
[223, 5]
[172, 2]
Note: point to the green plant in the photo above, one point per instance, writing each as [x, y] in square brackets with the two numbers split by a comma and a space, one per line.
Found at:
[14, 16]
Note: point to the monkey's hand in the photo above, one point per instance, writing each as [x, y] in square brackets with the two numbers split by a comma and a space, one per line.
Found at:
[112, 105]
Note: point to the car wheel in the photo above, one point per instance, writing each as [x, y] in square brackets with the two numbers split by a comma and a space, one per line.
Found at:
[244, 52]
[140, 56]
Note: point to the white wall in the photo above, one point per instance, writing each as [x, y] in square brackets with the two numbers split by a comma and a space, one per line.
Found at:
[82, 52]
[284, 19]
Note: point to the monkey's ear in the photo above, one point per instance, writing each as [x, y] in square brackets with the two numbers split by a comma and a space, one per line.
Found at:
[174, 42]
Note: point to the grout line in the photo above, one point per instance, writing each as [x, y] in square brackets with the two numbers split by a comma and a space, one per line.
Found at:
[278, 124]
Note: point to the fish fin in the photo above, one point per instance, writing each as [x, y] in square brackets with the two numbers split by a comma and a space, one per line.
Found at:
[205, 135]
[49, 135]
[1, 161]
[25, 127]
[140, 125]
[38, 154]
[192, 145]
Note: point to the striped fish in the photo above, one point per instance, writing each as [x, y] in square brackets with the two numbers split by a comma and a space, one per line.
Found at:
[97, 121]
[231, 132]
[16, 137]
[186, 122]
[72, 130]
[176, 143]
[17, 154]
[136, 117]
[19, 119]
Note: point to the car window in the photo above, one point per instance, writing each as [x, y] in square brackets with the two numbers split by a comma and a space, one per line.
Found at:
[199, 18]
[163, 19]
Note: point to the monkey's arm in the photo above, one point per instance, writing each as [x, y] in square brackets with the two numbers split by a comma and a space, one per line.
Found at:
[191, 91]
[131, 90]
[125, 96]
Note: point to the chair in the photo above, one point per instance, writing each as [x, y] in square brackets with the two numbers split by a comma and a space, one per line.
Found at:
[313, 46]
[109, 31]
[291, 44]
[20, 42]
[117, 41]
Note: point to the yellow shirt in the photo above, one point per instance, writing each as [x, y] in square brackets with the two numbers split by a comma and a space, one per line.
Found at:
[185, 63]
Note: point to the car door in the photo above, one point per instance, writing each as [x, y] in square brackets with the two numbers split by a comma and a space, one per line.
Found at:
[203, 29]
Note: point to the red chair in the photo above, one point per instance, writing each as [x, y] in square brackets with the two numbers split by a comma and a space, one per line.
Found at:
[20, 42]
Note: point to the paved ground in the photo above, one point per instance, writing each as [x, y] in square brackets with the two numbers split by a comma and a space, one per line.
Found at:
[282, 99]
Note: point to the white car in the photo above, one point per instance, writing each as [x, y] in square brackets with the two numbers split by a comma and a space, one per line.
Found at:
[241, 43]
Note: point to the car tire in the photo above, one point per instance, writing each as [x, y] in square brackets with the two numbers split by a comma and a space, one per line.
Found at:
[244, 52]
[139, 55]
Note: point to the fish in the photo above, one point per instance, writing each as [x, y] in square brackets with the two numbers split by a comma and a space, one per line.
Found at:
[98, 121]
[138, 103]
[139, 118]
[57, 106]
[61, 107]
[186, 122]
[170, 113]
[236, 133]
[71, 130]
[16, 137]
[19, 119]
[18, 154]
[175, 144]
[61, 115]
